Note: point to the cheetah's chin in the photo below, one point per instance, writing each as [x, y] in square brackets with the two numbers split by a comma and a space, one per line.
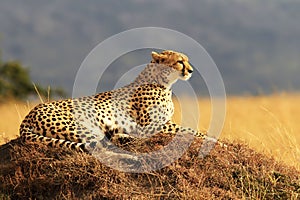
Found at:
[185, 78]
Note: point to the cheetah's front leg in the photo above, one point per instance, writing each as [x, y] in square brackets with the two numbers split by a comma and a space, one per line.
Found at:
[173, 128]
[170, 128]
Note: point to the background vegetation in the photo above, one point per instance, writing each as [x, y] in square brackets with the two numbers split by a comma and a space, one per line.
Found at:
[16, 84]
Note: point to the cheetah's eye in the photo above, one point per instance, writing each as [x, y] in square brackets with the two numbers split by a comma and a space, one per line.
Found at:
[180, 62]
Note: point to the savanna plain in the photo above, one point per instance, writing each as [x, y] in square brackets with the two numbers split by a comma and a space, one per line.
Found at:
[269, 124]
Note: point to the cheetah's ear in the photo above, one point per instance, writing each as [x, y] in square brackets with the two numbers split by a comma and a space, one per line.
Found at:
[155, 56]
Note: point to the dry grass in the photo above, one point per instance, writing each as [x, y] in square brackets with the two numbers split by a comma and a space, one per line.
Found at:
[269, 124]
[12, 114]
[40, 172]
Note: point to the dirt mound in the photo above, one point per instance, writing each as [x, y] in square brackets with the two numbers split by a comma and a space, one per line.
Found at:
[38, 172]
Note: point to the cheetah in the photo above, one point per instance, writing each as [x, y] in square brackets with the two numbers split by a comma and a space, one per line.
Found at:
[140, 109]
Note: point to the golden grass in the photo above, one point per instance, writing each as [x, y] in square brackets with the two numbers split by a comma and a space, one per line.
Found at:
[12, 114]
[267, 123]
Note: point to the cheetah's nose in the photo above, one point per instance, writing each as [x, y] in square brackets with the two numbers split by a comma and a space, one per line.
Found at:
[190, 71]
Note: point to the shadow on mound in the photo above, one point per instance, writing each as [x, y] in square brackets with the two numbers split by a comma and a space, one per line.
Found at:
[38, 172]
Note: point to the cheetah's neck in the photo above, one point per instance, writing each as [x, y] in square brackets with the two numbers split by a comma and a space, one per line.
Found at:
[156, 74]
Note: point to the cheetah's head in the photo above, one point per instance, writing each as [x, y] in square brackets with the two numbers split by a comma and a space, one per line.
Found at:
[177, 61]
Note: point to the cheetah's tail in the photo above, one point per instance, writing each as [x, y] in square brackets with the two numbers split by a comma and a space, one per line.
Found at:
[52, 142]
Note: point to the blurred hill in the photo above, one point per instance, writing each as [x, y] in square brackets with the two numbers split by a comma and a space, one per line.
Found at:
[254, 43]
